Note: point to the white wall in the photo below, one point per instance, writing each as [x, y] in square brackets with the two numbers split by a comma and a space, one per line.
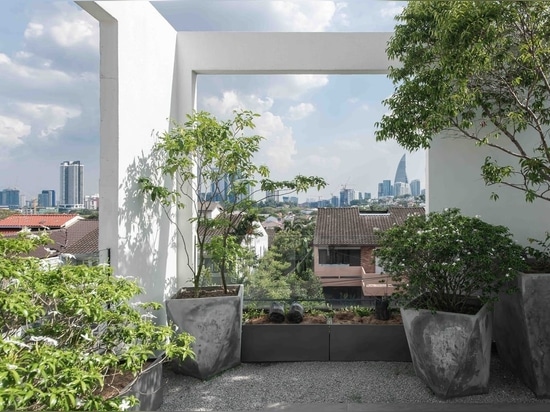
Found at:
[454, 180]
[137, 48]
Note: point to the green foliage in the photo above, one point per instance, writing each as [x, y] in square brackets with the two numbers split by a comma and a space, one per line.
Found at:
[206, 159]
[448, 257]
[67, 330]
[476, 70]
[538, 256]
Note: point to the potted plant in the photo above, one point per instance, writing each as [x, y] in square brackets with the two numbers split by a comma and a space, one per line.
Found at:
[448, 269]
[522, 321]
[72, 337]
[196, 165]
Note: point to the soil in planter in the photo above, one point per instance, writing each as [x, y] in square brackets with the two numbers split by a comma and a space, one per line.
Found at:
[308, 319]
[115, 383]
[350, 318]
[188, 293]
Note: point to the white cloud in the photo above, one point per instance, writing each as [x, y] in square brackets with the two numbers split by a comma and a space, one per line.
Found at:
[300, 111]
[232, 100]
[279, 146]
[392, 9]
[308, 16]
[12, 131]
[47, 119]
[34, 30]
[296, 85]
[28, 76]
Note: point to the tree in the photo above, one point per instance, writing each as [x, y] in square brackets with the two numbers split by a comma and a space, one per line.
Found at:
[476, 70]
[207, 161]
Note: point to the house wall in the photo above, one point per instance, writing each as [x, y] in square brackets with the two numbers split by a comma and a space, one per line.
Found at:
[367, 259]
[454, 180]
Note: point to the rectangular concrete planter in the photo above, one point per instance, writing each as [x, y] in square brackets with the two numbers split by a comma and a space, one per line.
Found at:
[285, 343]
[522, 331]
[369, 343]
[147, 387]
[216, 325]
[311, 342]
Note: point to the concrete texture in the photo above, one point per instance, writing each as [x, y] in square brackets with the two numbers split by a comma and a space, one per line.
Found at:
[215, 323]
[369, 343]
[451, 352]
[148, 387]
[522, 331]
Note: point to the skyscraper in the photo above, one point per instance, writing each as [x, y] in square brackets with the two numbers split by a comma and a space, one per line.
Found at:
[10, 198]
[71, 185]
[46, 198]
[401, 172]
[415, 187]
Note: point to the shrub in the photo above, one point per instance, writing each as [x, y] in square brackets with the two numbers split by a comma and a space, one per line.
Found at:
[67, 331]
[447, 258]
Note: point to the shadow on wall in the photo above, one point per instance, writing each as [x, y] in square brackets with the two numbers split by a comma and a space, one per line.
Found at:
[144, 251]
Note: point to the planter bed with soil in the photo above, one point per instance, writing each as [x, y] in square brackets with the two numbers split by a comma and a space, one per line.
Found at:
[342, 337]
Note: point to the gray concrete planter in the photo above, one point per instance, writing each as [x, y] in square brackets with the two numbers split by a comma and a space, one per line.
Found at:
[451, 352]
[522, 331]
[147, 387]
[285, 343]
[330, 342]
[216, 325]
[369, 343]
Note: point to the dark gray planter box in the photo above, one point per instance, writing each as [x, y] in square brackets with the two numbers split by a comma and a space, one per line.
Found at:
[313, 342]
[147, 387]
[522, 331]
[369, 343]
[216, 325]
[451, 352]
[285, 343]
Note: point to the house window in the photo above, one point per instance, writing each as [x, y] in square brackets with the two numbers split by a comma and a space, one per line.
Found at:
[350, 257]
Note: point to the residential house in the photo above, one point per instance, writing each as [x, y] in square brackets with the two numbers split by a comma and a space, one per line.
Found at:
[343, 246]
[71, 235]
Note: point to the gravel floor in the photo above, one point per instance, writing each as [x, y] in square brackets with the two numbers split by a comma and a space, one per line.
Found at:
[254, 386]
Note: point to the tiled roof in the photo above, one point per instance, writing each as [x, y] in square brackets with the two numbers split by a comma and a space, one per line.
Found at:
[82, 237]
[52, 221]
[347, 226]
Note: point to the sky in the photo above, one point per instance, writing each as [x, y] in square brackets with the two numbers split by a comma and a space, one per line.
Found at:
[320, 125]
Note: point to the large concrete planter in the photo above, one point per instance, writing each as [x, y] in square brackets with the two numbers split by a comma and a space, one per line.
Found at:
[367, 342]
[522, 331]
[216, 325]
[147, 387]
[451, 352]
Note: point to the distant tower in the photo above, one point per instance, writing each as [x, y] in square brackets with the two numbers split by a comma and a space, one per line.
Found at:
[415, 187]
[46, 198]
[401, 172]
[71, 185]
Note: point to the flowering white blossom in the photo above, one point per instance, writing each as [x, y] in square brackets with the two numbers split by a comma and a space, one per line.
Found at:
[124, 405]
[11, 367]
[45, 339]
